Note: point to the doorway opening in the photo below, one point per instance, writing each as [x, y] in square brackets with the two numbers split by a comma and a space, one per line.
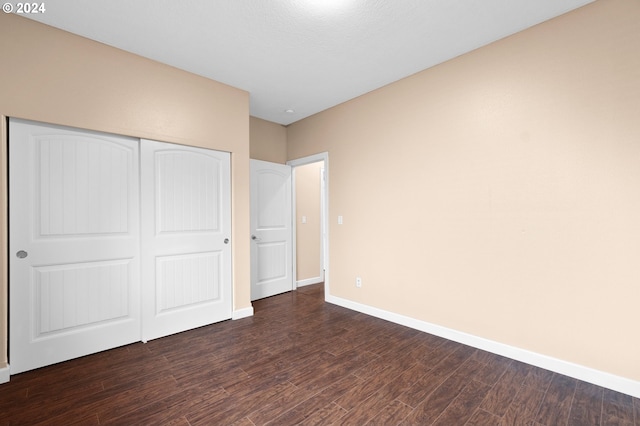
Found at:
[310, 190]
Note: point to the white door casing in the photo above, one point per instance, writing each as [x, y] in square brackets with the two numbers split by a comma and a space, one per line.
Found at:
[271, 229]
[323, 227]
[186, 231]
[74, 243]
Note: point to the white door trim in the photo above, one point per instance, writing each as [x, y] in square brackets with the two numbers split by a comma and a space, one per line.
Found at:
[324, 157]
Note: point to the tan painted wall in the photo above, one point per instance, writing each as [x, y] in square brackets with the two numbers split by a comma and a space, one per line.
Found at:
[268, 141]
[498, 194]
[52, 76]
[308, 234]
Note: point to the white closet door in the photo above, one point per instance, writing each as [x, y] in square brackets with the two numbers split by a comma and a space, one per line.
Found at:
[186, 231]
[74, 243]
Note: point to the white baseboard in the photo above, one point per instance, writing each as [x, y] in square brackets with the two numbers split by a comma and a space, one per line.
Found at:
[600, 378]
[5, 374]
[309, 281]
[242, 313]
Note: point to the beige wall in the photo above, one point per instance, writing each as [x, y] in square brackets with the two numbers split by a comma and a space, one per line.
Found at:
[52, 76]
[268, 141]
[498, 194]
[308, 234]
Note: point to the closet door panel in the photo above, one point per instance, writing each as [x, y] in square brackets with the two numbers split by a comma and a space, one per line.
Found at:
[74, 243]
[186, 231]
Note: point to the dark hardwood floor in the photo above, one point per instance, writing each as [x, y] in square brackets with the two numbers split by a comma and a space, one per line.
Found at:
[299, 360]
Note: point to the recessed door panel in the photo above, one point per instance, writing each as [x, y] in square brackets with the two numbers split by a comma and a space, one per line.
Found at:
[188, 192]
[70, 169]
[71, 297]
[270, 264]
[188, 280]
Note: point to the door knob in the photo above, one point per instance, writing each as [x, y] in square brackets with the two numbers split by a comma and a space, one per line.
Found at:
[254, 238]
[22, 254]
[226, 241]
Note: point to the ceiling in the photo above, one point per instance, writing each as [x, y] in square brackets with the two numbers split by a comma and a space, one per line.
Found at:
[300, 56]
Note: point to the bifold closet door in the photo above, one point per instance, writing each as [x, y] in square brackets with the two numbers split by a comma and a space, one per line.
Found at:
[186, 232]
[74, 243]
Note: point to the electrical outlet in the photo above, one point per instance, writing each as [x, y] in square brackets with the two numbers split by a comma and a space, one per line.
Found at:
[358, 282]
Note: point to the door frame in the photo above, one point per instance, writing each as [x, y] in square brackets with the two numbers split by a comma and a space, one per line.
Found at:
[324, 203]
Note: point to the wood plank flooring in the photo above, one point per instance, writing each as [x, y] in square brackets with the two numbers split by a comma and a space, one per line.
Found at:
[299, 360]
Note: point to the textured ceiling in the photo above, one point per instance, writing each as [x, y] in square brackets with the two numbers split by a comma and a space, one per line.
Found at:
[303, 55]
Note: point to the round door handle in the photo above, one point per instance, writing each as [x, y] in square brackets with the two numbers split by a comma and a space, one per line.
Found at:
[226, 241]
[22, 254]
[254, 238]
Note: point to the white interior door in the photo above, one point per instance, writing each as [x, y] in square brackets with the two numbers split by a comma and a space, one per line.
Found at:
[186, 231]
[74, 243]
[271, 229]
